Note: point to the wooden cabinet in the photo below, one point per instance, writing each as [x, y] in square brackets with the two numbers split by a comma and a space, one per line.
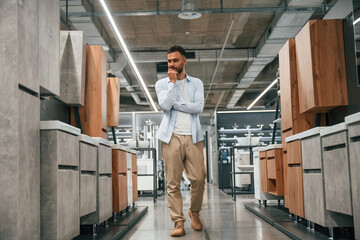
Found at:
[113, 102]
[321, 66]
[275, 184]
[295, 178]
[119, 177]
[135, 187]
[93, 115]
[291, 118]
[296, 191]
[263, 171]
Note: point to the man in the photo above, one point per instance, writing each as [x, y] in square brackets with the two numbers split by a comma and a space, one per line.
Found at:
[181, 97]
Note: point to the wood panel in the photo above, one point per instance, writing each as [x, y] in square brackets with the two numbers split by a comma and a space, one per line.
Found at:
[123, 196]
[275, 181]
[134, 163]
[321, 66]
[291, 118]
[294, 152]
[122, 162]
[263, 172]
[93, 114]
[296, 190]
[286, 188]
[113, 102]
[135, 187]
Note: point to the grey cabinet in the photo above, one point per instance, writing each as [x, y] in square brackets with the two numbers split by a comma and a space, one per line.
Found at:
[72, 67]
[88, 171]
[59, 161]
[353, 122]
[313, 179]
[49, 38]
[336, 169]
[104, 184]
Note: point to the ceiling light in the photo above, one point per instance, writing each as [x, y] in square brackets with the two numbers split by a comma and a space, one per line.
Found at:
[262, 94]
[189, 10]
[122, 44]
[187, 33]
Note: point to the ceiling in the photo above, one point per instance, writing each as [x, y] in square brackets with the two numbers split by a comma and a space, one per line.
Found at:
[248, 64]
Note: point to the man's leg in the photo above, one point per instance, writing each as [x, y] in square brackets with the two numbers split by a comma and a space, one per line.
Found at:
[195, 171]
[173, 155]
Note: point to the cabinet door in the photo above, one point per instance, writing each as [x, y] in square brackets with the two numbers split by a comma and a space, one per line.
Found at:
[105, 198]
[134, 163]
[263, 172]
[123, 192]
[296, 191]
[354, 153]
[134, 187]
[321, 66]
[113, 94]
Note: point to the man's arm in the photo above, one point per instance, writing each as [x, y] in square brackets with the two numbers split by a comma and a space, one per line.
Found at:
[195, 107]
[166, 96]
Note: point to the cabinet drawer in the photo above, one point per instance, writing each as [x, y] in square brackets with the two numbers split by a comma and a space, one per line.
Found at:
[294, 152]
[68, 149]
[262, 155]
[271, 168]
[88, 157]
[87, 194]
[104, 159]
[134, 163]
[311, 153]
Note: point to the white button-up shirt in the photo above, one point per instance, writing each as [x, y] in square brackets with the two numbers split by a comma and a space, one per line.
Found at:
[170, 103]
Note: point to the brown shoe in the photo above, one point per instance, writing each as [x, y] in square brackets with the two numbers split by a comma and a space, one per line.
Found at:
[179, 230]
[196, 222]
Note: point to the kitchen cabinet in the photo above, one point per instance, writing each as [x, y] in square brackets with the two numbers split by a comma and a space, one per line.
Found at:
[291, 118]
[59, 173]
[353, 122]
[93, 114]
[295, 176]
[88, 175]
[72, 67]
[321, 66]
[103, 184]
[113, 101]
[49, 47]
[334, 142]
[275, 184]
[313, 178]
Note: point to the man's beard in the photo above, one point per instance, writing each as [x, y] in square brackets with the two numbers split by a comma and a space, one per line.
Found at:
[180, 69]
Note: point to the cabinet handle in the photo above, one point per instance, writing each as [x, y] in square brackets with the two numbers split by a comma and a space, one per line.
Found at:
[334, 147]
[355, 139]
[67, 167]
[84, 172]
[312, 170]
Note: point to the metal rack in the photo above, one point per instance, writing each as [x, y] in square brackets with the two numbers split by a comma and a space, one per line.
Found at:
[154, 174]
[233, 172]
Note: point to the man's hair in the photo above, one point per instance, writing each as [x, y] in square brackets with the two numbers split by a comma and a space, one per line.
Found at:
[176, 48]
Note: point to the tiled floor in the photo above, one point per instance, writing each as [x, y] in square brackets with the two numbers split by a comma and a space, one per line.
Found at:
[222, 219]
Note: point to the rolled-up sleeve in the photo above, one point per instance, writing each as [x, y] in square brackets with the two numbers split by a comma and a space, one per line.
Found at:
[167, 94]
[195, 107]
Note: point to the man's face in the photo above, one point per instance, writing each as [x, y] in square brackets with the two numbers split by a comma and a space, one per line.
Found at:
[176, 61]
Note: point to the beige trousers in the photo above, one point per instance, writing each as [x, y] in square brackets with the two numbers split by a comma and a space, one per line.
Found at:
[181, 153]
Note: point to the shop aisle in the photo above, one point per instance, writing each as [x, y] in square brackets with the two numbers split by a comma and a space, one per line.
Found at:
[222, 219]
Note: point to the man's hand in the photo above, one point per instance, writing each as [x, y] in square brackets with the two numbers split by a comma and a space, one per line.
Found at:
[173, 75]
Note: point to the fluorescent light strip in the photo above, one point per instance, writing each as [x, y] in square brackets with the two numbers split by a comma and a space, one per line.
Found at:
[127, 53]
[262, 94]
[356, 21]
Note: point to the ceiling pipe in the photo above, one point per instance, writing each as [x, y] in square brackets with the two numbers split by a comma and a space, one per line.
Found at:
[219, 59]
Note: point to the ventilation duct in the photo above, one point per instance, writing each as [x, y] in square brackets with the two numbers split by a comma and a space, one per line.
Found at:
[189, 10]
